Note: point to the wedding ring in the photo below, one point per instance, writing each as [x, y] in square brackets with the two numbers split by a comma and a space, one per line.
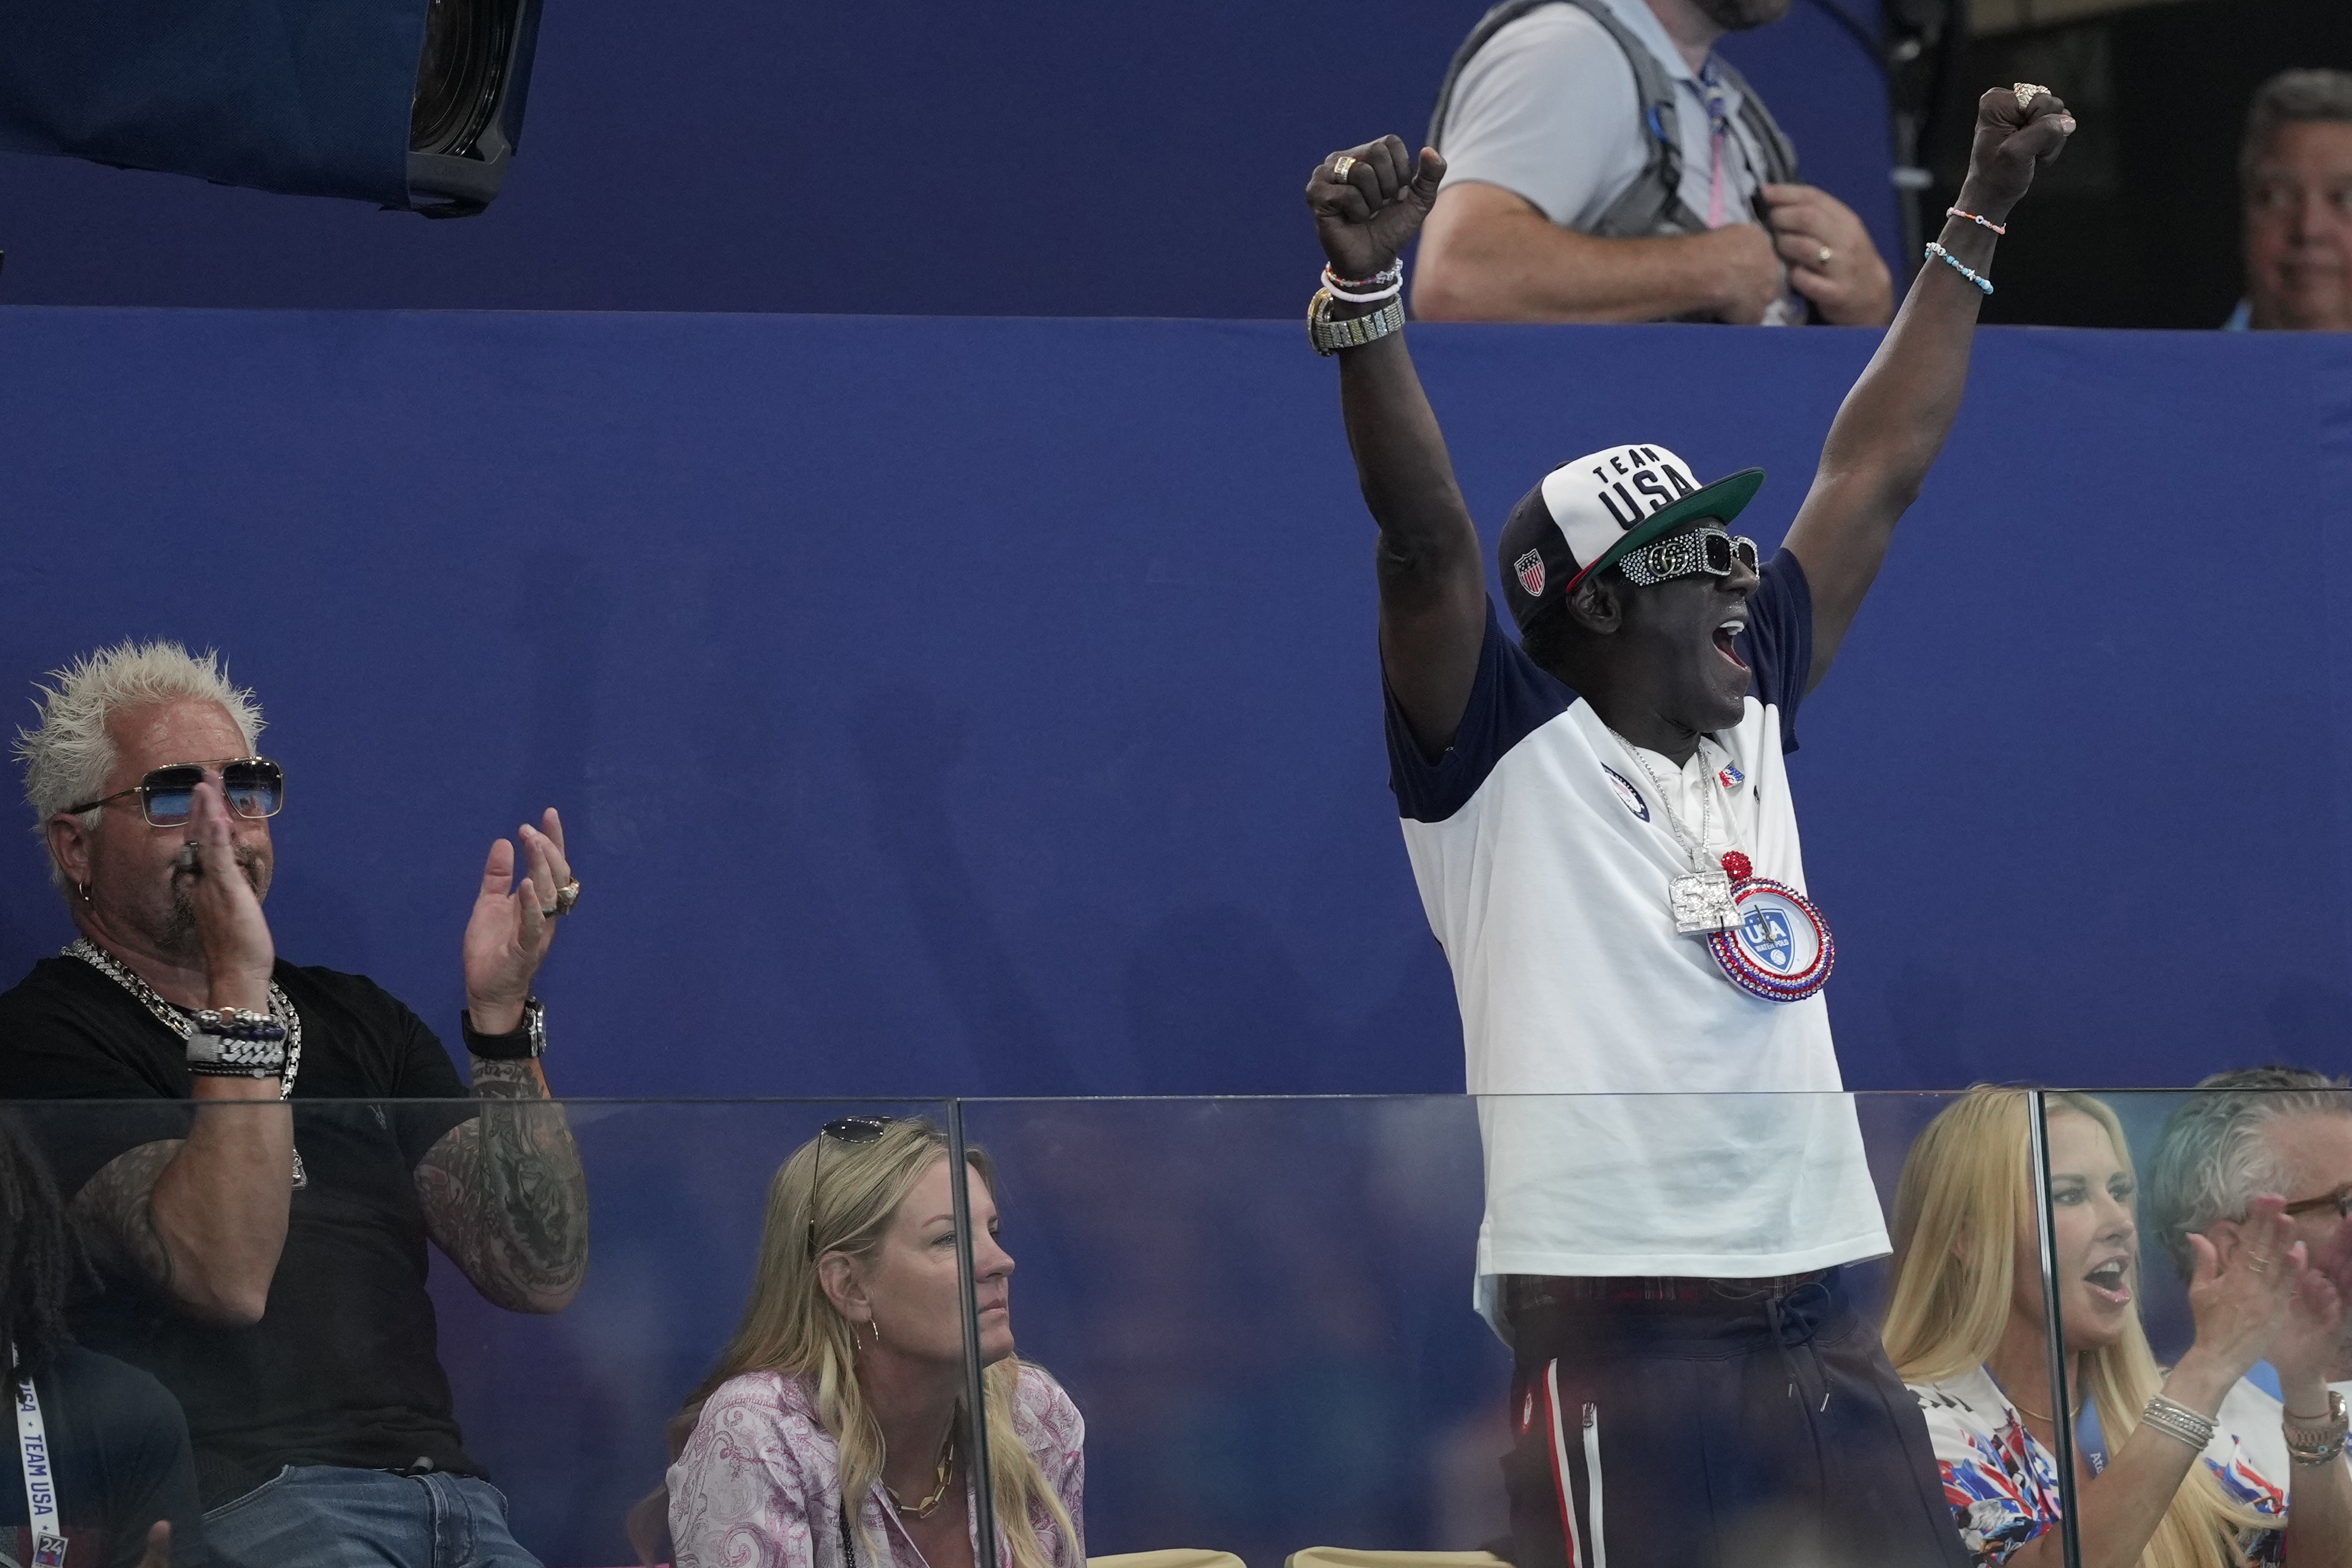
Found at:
[1823, 259]
[2259, 1263]
[566, 897]
[186, 859]
[2026, 91]
[1339, 167]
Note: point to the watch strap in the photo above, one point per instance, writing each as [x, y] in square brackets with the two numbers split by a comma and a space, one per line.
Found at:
[526, 1042]
[1329, 337]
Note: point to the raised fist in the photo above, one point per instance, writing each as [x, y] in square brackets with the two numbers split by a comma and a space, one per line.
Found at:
[2012, 141]
[1365, 219]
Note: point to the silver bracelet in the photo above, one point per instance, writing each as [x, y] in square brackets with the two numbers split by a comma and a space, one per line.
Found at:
[2174, 1419]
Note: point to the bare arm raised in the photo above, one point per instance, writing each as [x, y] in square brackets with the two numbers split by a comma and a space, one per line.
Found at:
[1432, 586]
[503, 1193]
[204, 1217]
[1894, 422]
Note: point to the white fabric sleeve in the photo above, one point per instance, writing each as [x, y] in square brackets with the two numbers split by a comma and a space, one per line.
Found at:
[1549, 110]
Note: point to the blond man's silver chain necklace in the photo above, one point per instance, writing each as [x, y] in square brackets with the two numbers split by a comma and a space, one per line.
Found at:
[178, 1021]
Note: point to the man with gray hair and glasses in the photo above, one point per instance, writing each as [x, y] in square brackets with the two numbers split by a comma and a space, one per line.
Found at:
[2244, 1135]
[2295, 173]
[268, 1268]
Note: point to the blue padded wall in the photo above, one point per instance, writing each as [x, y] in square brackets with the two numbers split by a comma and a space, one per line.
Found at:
[1061, 157]
[990, 705]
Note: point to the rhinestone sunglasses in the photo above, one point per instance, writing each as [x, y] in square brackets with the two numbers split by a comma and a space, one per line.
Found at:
[254, 786]
[1709, 550]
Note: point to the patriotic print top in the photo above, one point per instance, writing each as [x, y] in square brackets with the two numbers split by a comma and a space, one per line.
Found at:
[2002, 1483]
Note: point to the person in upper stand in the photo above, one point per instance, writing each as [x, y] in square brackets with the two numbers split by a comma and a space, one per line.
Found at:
[2295, 179]
[1600, 823]
[122, 1482]
[1966, 1327]
[1608, 165]
[2245, 1133]
[832, 1431]
[269, 1267]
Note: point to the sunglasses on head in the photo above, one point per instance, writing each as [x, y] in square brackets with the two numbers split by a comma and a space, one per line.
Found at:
[848, 1130]
[1709, 550]
[256, 788]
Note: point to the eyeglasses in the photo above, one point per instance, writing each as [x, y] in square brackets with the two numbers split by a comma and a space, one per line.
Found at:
[256, 788]
[1711, 550]
[850, 1130]
[2340, 1200]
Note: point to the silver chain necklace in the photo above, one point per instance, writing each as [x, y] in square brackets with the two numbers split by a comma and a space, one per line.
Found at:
[176, 1020]
[1700, 900]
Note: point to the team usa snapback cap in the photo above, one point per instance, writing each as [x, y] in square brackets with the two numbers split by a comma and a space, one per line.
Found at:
[1587, 513]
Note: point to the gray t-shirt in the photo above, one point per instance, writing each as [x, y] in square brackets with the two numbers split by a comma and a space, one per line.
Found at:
[1549, 110]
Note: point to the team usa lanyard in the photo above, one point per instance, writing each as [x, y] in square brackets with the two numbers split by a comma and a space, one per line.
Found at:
[40, 1484]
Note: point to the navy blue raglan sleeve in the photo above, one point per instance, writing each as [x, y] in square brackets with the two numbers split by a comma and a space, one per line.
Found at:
[1778, 642]
[1510, 699]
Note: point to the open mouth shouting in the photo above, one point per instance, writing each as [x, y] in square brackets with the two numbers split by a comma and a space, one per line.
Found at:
[1725, 634]
[2110, 1282]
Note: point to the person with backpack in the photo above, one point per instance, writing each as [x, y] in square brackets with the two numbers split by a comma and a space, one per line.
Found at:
[1605, 165]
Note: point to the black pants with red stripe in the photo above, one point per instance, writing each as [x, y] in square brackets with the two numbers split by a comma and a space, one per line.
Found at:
[1738, 1428]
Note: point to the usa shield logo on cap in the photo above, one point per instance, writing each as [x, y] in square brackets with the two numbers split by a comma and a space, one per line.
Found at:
[1529, 569]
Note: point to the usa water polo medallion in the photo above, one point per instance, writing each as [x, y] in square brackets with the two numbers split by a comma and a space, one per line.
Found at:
[1778, 948]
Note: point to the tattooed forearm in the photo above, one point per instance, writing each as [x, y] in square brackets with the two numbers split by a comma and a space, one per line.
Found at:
[504, 1195]
[114, 1214]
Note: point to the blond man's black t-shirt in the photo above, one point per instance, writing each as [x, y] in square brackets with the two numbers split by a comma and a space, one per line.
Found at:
[342, 1369]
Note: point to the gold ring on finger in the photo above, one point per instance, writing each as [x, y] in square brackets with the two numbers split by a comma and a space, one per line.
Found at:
[566, 897]
[2026, 92]
[1339, 167]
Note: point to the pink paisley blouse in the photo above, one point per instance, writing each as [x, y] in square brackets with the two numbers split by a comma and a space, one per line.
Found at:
[759, 1484]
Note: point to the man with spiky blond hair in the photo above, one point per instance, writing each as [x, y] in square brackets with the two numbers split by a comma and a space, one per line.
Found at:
[266, 1262]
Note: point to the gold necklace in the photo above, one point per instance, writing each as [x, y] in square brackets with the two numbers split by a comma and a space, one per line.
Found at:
[2038, 1416]
[930, 1505]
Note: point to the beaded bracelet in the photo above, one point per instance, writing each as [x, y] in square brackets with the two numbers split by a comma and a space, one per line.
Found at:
[1937, 253]
[1386, 275]
[1387, 284]
[1980, 222]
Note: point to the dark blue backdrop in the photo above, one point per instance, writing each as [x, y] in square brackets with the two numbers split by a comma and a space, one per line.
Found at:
[906, 156]
[989, 705]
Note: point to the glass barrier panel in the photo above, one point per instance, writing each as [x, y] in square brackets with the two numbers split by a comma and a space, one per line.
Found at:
[410, 1319]
[2204, 1258]
[1284, 1322]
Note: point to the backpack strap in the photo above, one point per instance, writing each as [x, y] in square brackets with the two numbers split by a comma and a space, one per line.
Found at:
[1780, 152]
[1653, 204]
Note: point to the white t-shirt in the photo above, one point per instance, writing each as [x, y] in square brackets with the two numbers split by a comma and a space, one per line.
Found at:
[1548, 109]
[1641, 1114]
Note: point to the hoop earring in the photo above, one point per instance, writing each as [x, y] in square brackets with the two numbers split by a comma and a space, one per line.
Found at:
[82, 888]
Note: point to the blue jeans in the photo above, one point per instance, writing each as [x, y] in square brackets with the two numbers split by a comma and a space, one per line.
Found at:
[325, 1516]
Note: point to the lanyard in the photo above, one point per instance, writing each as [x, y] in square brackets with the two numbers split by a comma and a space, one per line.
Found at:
[40, 1485]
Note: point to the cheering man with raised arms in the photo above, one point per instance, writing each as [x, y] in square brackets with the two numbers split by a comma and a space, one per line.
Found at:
[1599, 824]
